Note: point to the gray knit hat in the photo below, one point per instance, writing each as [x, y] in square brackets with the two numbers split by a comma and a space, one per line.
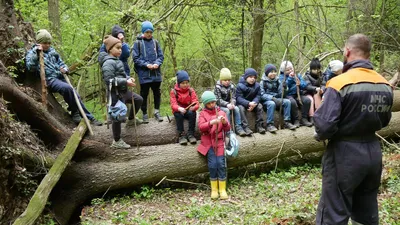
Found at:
[43, 36]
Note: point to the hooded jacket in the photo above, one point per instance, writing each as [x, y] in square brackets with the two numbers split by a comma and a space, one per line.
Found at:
[246, 93]
[113, 69]
[270, 88]
[291, 84]
[52, 63]
[183, 98]
[123, 57]
[225, 95]
[208, 132]
[313, 83]
[147, 51]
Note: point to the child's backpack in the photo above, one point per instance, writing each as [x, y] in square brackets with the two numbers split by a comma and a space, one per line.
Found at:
[231, 144]
[118, 112]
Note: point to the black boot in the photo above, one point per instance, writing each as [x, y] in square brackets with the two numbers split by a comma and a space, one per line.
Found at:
[248, 131]
[304, 122]
[289, 125]
[240, 131]
[260, 129]
[182, 139]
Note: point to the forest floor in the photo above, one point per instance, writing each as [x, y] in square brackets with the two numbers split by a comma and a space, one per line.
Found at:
[284, 196]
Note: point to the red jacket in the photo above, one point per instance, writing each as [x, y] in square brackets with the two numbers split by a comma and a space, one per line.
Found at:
[208, 131]
[184, 99]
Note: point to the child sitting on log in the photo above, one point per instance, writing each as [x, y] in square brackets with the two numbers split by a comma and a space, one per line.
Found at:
[225, 91]
[213, 124]
[117, 83]
[248, 93]
[271, 96]
[315, 87]
[184, 105]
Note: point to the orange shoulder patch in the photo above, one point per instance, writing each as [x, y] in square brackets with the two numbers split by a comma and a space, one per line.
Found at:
[354, 76]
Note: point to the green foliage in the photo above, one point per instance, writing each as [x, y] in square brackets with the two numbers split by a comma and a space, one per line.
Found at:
[145, 193]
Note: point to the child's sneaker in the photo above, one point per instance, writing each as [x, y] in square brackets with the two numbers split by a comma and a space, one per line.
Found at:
[158, 117]
[191, 139]
[95, 122]
[182, 140]
[271, 128]
[76, 117]
[248, 131]
[304, 122]
[260, 129]
[120, 144]
[297, 123]
[131, 122]
[145, 118]
[240, 131]
[289, 125]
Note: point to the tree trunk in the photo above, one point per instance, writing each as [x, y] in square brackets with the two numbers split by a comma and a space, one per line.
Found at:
[129, 168]
[54, 19]
[258, 34]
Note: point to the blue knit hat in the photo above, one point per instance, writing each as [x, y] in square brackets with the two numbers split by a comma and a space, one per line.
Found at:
[249, 72]
[147, 25]
[269, 68]
[181, 76]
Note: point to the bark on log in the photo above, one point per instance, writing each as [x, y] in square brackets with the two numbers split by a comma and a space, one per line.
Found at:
[39, 199]
[156, 133]
[128, 168]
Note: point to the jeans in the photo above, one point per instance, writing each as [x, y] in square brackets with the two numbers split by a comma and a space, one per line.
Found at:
[287, 107]
[216, 165]
[179, 117]
[144, 92]
[62, 87]
[236, 115]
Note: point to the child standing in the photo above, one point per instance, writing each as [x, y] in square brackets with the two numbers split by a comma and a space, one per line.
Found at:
[293, 82]
[315, 85]
[248, 93]
[225, 92]
[271, 96]
[213, 124]
[184, 105]
[148, 58]
[117, 84]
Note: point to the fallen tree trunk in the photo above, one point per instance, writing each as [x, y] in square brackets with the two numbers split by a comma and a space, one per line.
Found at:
[129, 168]
[39, 199]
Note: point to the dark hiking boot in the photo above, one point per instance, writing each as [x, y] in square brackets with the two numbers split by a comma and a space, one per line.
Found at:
[271, 128]
[260, 129]
[76, 117]
[145, 118]
[240, 131]
[182, 139]
[304, 122]
[192, 139]
[95, 122]
[297, 123]
[289, 125]
[248, 131]
[158, 117]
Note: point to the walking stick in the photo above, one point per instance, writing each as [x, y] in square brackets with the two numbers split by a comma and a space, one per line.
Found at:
[43, 79]
[232, 111]
[79, 105]
[298, 90]
[134, 120]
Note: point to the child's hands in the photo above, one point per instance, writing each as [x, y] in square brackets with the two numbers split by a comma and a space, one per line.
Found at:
[120, 36]
[252, 105]
[155, 66]
[39, 47]
[182, 110]
[63, 70]
[291, 74]
[192, 108]
[131, 82]
[297, 82]
[215, 121]
[150, 66]
[230, 106]
[222, 119]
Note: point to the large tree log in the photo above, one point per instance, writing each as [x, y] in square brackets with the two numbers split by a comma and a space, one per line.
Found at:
[39, 199]
[128, 168]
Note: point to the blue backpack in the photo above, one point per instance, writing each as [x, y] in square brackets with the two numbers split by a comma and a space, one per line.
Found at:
[231, 144]
[118, 112]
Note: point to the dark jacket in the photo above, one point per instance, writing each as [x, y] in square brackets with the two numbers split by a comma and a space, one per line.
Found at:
[123, 57]
[270, 88]
[147, 51]
[327, 75]
[113, 71]
[52, 63]
[225, 95]
[246, 93]
[313, 82]
[356, 104]
[291, 84]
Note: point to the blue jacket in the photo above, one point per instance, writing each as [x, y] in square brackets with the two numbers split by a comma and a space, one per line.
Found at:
[291, 84]
[147, 51]
[270, 88]
[246, 93]
[123, 57]
[356, 104]
[52, 63]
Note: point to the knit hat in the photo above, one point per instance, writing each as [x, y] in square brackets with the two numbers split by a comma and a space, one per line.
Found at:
[110, 41]
[181, 76]
[335, 65]
[285, 65]
[225, 74]
[249, 72]
[147, 25]
[269, 68]
[116, 30]
[207, 97]
[315, 64]
[43, 36]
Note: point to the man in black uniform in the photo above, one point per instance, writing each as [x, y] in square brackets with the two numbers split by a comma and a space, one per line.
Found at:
[356, 104]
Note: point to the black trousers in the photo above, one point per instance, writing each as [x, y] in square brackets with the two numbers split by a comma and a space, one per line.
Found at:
[180, 118]
[305, 108]
[144, 92]
[351, 175]
[258, 110]
[125, 98]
